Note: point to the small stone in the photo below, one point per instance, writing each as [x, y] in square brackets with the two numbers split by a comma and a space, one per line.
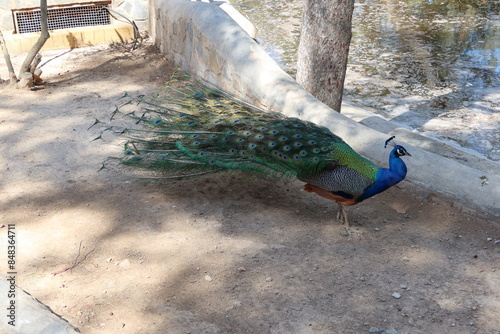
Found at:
[496, 242]
[453, 324]
[391, 331]
[241, 269]
[374, 330]
[269, 279]
[402, 286]
[109, 259]
[208, 278]
[124, 264]
[376, 229]
[489, 239]
[396, 295]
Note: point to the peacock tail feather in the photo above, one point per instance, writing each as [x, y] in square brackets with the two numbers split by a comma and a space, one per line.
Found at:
[191, 128]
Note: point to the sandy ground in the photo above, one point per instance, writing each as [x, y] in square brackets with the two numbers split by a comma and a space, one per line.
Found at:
[219, 254]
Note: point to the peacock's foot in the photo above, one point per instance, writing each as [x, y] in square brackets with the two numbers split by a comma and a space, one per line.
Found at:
[343, 217]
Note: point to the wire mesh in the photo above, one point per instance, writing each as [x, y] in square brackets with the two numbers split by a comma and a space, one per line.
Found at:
[63, 18]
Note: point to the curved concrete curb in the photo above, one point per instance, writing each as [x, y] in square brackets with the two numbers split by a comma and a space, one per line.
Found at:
[203, 39]
[31, 316]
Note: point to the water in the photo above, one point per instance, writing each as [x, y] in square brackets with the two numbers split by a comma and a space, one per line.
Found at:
[430, 66]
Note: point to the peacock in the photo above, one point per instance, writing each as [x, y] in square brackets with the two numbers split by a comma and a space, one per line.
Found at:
[192, 128]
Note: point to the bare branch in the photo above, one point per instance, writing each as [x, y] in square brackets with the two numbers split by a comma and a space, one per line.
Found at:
[12, 74]
[44, 35]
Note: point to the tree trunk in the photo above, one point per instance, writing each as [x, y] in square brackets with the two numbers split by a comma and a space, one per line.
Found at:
[12, 74]
[44, 35]
[324, 49]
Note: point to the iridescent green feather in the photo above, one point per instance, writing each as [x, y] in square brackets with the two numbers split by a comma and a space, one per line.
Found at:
[191, 128]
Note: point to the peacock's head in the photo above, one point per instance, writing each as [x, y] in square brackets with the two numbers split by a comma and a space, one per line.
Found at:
[398, 150]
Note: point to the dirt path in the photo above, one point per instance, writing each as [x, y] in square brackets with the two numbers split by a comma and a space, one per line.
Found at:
[219, 254]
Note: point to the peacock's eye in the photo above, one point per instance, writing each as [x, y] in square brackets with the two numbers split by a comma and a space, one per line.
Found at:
[401, 151]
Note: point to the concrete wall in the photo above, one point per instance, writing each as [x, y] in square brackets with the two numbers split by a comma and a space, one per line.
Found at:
[203, 39]
[119, 31]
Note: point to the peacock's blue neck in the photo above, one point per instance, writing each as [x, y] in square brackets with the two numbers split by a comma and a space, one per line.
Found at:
[386, 177]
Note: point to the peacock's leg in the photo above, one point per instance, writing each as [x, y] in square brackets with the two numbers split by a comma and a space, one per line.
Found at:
[343, 216]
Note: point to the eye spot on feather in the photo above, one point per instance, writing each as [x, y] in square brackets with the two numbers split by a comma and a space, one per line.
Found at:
[230, 132]
[248, 133]
[312, 142]
[225, 139]
[273, 132]
[287, 148]
[217, 121]
[271, 144]
[303, 153]
[296, 157]
[214, 136]
[285, 157]
[298, 136]
[233, 150]
[259, 136]
[159, 121]
[201, 154]
[324, 149]
[297, 144]
[252, 146]
[194, 136]
[196, 143]
[243, 152]
[191, 123]
[241, 140]
[283, 138]
[299, 125]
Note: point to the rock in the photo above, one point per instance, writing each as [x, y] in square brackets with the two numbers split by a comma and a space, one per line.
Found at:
[208, 278]
[396, 295]
[391, 331]
[375, 330]
[269, 279]
[241, 269]
[124, 264]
